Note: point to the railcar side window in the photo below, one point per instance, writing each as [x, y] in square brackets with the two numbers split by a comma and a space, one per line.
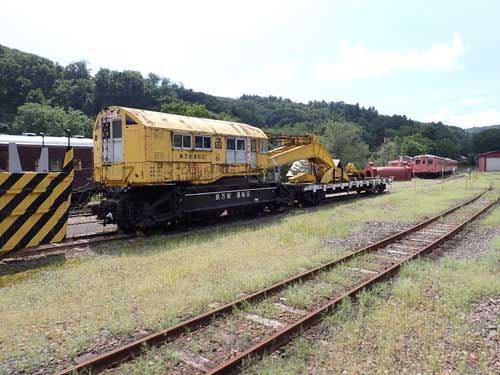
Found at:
[202, 142]
[198, 142]
[207, 143]
[429, 161]
[117, 129]
[186, 141]
[263, 146]
[253, 145]
[417, 161]
[129, 120]
[230, 144]
[182, 141]
[177, 140]
[240, 144]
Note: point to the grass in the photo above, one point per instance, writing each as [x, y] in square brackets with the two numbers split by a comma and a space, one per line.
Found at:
[60, 311]
[417, 324]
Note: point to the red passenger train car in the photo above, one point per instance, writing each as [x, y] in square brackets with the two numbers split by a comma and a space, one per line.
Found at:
[433, 166]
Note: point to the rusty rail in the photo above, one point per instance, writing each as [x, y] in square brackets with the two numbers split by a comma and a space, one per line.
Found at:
[285, 335]
[131, 350]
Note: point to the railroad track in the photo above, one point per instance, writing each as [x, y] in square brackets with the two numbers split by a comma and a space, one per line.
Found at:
[77, 241]
[221, 340]
[98, 238]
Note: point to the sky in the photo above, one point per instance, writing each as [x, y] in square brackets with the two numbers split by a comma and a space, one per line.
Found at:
[428, 60]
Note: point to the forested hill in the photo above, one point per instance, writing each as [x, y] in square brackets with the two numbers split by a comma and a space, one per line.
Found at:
[37, 94]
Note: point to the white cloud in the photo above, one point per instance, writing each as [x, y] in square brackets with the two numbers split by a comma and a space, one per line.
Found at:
[360, 62]
[468, 120]
[471, 101]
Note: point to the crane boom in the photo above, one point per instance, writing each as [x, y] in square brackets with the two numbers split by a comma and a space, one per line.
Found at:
[305, 147]
[299, 148]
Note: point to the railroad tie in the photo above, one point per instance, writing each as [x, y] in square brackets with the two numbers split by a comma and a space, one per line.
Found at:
[404, 247]
[195, 360]
[396, 252]
[231, 339]
[362, 270]
[290, 309]
[265, 321]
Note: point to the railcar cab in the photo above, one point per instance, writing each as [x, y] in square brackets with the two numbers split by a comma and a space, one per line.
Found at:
[112, 137]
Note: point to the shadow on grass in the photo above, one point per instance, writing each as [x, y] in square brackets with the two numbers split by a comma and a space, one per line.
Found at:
[198, 232]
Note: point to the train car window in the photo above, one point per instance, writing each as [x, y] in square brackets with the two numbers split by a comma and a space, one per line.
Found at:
[240, 144]
[198, 142]
[186, 141]
[117, 129]
[263, 146]
[177, 141]
[230, 144]
[207, 143]
[429, 161]
[129, 120]
[417, 161]
[253, 145]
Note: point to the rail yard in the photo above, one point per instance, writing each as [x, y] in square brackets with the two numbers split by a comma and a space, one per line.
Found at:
[195, 259]
[230, 261]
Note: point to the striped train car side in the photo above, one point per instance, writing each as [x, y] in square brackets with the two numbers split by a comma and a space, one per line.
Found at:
[34, 207]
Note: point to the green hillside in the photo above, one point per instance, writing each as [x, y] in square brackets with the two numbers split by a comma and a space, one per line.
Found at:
[37, 94]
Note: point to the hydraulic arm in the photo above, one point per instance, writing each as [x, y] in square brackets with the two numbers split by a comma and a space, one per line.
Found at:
[305, 147]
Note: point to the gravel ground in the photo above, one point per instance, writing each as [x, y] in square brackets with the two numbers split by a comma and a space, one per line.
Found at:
[471, 243]
[483, 320]
[81, 225]
[484, 323]
[370, 233]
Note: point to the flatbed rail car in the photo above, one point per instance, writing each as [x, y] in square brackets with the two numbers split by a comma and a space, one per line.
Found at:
[159, 168]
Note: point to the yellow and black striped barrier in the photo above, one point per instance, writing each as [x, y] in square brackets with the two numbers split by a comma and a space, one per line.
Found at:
[34, 207]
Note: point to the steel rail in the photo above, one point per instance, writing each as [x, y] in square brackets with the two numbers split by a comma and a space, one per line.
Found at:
[133, 349]
[75, 242]
[286, 334]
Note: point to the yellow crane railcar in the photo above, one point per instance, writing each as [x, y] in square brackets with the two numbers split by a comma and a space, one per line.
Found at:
[164, 166]
[159, 168]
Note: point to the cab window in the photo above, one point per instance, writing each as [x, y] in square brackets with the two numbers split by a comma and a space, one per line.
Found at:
[417, 161]
[429, 161]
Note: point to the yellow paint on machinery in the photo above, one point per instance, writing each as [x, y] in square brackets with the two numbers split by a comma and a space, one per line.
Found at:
[34, 207]
[138, 147]
[134, 147]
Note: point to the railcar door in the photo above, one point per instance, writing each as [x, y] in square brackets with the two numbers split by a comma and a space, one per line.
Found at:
[112, 140]
[253, 153]
[230, 150]
[241, 157]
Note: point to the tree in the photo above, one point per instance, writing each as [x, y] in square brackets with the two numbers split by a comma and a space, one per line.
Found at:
[415, 144]
[487, 140]
[389, 150]
[180, 107]
[344, 141]
[35, 118]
